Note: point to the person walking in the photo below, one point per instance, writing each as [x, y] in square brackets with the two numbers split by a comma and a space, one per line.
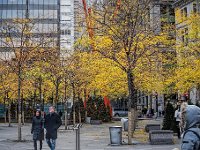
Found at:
[190, 125]
[60, 114]
[52, 123]
[177, 116]
[37, 129]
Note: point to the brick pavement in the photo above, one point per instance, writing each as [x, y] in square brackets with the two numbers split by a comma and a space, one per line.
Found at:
[93, 137]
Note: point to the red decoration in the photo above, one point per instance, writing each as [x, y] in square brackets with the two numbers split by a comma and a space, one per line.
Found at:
[107, 104]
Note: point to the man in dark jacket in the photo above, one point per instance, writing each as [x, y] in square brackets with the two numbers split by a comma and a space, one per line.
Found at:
[52, 123]
[190, 125]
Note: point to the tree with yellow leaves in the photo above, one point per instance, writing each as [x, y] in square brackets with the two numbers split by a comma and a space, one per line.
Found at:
[23, 49]
[7, 87]
[187, 71]
[127, 40]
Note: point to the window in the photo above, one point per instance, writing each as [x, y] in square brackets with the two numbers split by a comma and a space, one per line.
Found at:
[66, 32]
[185, 12]
[184, 36]
[50, 14]
[40, 13]
[12, 1]
[34, 1]
[66, 13]
[14, 13]
[51, 2]
[9, 14]
[21, 13]
[4, 14]
[33, 14]
[21, 1]
[195, 8]
[41, 2]
[5, 2]
[139, 101]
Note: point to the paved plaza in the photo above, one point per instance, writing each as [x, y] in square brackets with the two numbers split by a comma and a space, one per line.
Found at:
[93, 137]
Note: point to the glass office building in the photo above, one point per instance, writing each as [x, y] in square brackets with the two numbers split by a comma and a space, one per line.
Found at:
[44, 13]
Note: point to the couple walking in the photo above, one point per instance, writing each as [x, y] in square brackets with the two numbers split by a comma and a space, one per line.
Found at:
[51, 123]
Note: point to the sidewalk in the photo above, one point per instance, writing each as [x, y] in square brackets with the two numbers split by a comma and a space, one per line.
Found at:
[93, 137]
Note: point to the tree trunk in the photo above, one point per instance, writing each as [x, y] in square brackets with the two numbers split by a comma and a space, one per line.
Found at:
[23, 118]
[9, 107]
[34, 101]
[16, 114]
[198, 94]
[19, 103]
[131, 106]
[5, 117]
[79, 109]
[85, 99]
[9, 115]
[57, 88]
[40, 89]
[66, 105]
[79, 112]
[74, 112]
[5, 114]
[66, 120]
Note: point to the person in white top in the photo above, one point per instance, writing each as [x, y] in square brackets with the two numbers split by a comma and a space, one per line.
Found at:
[177, 116]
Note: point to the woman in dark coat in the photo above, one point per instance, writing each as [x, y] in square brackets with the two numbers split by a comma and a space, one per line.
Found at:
[37, 129]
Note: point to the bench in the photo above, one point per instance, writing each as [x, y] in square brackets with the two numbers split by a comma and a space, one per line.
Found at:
[95, 122]
[150, 127]
[159, 137]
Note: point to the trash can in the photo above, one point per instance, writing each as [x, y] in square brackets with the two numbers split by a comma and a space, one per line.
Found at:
[88, 120]
[115, 135]
[124, 122]
[126, 125]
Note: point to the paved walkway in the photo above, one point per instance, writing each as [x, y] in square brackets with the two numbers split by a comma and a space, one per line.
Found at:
[93, 137]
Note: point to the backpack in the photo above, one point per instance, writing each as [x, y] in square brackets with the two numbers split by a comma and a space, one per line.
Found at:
[197, 144]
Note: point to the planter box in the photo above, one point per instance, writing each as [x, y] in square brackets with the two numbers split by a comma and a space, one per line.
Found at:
[95, 122]
[150, 127]
[159, 137]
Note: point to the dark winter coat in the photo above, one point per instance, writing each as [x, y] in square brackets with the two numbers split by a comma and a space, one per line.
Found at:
[190, 124]
[52, 123]
[37, 128]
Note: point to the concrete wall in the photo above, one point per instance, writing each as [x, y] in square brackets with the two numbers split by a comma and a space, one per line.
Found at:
[67, 26]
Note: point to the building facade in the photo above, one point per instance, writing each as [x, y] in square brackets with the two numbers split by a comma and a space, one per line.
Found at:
[57, 20]
[66, 27]
[161, 13]
[184, 9]
[44, 14]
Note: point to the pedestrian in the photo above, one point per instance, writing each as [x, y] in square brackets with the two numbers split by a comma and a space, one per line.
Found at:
[190, 121]
[37, 129]
[160, 110]
[60, 114]
[177, 116]
[52, 123]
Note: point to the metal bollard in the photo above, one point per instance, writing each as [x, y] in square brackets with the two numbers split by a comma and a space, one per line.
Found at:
[77, 128]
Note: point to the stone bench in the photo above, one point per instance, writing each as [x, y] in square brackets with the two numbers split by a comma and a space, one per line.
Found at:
[159, 137]
[95, 122]
[150, 127]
